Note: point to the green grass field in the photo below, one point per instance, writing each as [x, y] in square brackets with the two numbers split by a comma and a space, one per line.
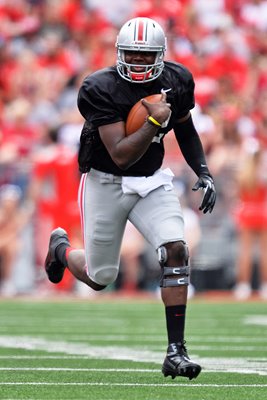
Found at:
[113, 349]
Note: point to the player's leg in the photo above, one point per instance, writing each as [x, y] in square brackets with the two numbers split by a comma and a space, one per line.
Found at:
[173, 259]
[159, 218]
[263, 263]
[242, 289]
[60, 256]
[103, 222]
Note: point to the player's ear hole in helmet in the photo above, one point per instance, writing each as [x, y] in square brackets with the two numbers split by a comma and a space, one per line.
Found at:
[144, 35]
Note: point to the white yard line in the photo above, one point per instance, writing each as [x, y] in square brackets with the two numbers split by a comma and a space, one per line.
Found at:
[260, 320]
[248, 365]
[81, 369]
[212, 385]
[211, 341]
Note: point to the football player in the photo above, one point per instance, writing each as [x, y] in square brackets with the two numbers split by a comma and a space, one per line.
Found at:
[122, 178]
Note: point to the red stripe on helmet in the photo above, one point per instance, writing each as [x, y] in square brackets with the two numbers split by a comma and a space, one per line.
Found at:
[140, 32]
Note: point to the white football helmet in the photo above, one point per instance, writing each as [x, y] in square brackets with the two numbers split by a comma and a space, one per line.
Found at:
[141, 34]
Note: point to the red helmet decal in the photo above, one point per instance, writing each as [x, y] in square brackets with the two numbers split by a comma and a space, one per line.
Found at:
[140, 34]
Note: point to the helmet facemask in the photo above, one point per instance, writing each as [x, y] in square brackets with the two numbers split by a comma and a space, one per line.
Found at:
[151, 71]
[144, 35]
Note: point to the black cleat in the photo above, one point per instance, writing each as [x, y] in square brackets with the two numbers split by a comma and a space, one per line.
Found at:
[54, 268]
[177, 362]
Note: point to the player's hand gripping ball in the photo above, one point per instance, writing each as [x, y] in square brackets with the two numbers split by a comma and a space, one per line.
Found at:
[138, 114]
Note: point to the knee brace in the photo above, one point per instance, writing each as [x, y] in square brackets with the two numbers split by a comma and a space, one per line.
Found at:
[174, 275]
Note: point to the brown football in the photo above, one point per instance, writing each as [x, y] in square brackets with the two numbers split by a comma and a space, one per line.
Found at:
[138, 114]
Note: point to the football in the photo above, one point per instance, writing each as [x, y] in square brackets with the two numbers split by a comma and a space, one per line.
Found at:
[138, 114]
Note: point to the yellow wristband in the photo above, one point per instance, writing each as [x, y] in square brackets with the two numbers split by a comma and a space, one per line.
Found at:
[153, 121]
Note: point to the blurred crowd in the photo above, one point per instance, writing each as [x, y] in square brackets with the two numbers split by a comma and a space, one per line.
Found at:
[46, 48]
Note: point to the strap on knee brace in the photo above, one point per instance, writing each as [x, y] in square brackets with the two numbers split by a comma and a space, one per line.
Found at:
[172, 276]
[175, 276]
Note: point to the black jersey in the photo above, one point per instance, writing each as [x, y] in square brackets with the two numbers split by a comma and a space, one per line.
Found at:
[105, 98]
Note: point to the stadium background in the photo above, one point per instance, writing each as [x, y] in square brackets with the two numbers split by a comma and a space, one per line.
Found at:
[46, 48]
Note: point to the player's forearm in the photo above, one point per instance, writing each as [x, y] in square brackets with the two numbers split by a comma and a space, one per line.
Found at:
[131, 148]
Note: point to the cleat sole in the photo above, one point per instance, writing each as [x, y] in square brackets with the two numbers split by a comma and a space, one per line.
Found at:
[190, 372]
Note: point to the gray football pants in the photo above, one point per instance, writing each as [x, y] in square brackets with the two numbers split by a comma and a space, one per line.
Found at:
[105, 210]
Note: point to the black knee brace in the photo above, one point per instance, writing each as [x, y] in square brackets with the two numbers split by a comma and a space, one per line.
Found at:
[177, 275]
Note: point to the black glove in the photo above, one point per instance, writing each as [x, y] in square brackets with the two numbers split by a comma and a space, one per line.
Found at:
[205, 182]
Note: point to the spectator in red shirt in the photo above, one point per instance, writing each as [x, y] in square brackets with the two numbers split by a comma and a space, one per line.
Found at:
[54, 190]
[251, 221]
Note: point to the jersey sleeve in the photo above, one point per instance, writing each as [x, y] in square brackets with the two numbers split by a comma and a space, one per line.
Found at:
[187, 96]
[95, 101]
[184, 87]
